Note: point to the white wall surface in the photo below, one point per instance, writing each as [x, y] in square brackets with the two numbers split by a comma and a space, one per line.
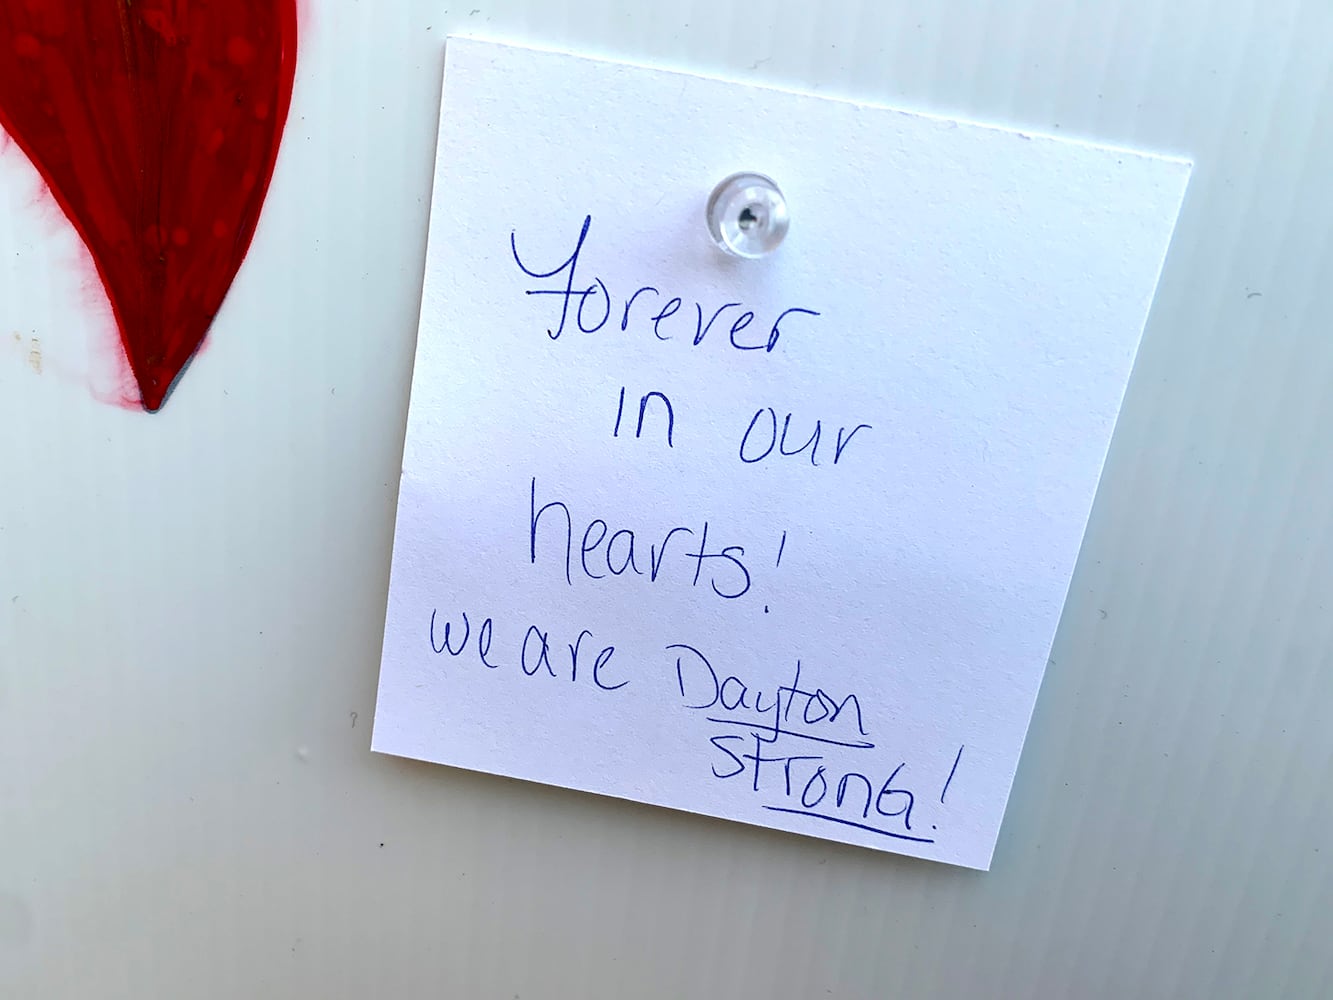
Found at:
[191, 603]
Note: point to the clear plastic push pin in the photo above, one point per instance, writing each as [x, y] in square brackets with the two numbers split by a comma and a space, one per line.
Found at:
[747, 215]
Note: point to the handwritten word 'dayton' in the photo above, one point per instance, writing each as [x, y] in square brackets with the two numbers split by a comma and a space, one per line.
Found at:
[775, 752]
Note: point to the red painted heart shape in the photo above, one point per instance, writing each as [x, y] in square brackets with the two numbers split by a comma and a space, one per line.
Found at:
[156, 124]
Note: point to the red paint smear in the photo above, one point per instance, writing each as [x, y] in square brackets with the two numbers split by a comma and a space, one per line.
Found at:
[156, 125]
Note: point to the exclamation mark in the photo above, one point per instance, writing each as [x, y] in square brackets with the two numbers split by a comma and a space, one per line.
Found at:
[781, 545]
[952, 770]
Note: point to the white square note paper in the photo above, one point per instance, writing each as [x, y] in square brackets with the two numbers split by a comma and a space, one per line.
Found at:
[782, 541]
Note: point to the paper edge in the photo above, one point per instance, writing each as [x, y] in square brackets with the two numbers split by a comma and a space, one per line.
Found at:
[1177, 159]
[1183, 169]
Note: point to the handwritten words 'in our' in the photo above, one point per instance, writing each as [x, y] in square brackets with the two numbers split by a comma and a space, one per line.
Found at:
[767, 436]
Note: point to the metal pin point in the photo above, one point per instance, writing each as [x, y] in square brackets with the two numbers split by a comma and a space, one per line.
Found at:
[747, 215]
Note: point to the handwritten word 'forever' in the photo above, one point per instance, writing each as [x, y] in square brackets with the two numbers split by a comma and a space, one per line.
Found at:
[597, 300]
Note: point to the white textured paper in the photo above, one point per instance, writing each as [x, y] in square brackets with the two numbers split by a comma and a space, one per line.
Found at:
[839, 633]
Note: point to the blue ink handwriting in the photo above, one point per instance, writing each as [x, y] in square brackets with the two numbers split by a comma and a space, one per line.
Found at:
[764, 431]
[811, 780]
[623, 553]
[576, 297]
[535, 655]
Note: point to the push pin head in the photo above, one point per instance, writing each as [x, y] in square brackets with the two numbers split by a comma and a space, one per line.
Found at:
[747, 215]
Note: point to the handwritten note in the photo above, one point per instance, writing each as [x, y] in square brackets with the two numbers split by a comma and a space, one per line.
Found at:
[781, 541]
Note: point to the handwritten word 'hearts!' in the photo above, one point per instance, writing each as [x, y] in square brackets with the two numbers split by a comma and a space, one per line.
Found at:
[156, 124]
